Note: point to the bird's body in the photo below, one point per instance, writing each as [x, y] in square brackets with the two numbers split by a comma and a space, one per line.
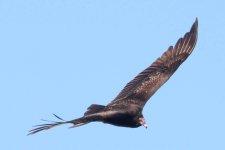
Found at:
[126, 109]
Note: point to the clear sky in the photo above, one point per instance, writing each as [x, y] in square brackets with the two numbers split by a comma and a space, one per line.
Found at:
[60, 56]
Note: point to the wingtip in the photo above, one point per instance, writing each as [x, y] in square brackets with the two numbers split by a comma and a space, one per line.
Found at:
[196, 22]
[196, 19]
[194, 28]
[195, 25]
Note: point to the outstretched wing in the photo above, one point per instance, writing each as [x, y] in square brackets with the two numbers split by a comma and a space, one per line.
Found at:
[145, 84]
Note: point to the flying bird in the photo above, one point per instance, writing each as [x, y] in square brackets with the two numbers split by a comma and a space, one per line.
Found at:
[126, 109]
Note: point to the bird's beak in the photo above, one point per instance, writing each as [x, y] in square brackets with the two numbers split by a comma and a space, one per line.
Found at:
[143, 123]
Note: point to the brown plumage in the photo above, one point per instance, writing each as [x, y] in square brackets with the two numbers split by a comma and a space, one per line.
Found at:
[126, 109]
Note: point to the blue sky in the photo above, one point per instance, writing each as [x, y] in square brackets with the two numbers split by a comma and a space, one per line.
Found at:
[60, 56]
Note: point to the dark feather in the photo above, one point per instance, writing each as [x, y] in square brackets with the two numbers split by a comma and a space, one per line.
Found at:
[58, 117]
[76, 122]
[94, 108]
[47, 126]
[146, 83]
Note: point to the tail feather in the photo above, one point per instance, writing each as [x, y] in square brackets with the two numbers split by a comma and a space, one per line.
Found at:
[44, 127]
[92, 114]
[41, 127]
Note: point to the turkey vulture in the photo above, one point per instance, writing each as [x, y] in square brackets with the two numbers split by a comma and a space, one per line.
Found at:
[126, 109]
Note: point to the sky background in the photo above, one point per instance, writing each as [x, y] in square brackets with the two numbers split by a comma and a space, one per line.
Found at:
[60, 56]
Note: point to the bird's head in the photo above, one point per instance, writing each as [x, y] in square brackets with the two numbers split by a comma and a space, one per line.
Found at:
[141, 121]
